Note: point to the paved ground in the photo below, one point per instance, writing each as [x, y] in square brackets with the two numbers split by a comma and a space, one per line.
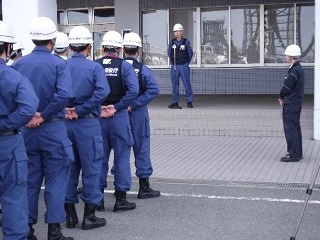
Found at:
[216, 187]
[229, 158]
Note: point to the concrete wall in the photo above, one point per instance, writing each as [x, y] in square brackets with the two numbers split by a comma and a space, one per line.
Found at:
[127, 15]
[20, 13]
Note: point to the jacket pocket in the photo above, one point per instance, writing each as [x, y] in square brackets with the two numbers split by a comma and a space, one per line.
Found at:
[22, 166]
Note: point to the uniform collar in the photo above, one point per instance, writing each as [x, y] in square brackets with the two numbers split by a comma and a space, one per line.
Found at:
[41, 48]
[80, 55]
[179, 40]
[111, 55]
[130, 57]
[293, 64]
[2, 61]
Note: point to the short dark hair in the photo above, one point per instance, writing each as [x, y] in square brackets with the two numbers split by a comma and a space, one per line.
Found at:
[110, 49]
[41, 42]
[78, 49]
[4, 47]
[15, 54]
[131, 50]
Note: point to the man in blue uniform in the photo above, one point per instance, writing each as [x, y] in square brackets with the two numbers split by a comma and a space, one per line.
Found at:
[290, 98]
[114, 121]
[139, 115]
[61, 46]
[47, 144]
[89, 89]
[180, 54]
[18, 105]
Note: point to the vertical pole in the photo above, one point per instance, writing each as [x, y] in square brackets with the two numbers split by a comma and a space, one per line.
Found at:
[316, 112]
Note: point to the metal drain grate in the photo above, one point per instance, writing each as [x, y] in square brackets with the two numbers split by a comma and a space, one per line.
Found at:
[227, 183]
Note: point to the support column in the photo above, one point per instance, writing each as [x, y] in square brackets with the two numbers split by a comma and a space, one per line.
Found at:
[20, 13]
[316, 113]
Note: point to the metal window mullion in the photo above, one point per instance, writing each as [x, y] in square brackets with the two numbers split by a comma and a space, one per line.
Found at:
[295, 23]
[229, 35]
[198, 50]
[261, 34]
[168, 34]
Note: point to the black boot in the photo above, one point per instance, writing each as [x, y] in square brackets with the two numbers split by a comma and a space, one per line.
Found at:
[121, 202]
[54, 232]
[145, 191]
[90, 220]
[31, 235]
[101, 208]
[71, 215]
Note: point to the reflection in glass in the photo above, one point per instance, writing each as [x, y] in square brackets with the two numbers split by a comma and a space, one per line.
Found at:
[214, 36]
[154, 39]
[245, 47]
[97, 49]
[305, 32]
[104, 15]
[60, 17]
[278, 32]
[78, 16]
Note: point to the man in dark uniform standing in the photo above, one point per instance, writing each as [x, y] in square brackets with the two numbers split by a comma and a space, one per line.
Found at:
[180, 54]
[18, 105]
[114, 121]
[90, 88]
[290, 98]
[139, 115]
[48, 146]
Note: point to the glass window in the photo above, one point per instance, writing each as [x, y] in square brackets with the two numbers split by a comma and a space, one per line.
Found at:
[305, 32]
[97, 49]
[60, 17]
[103, 15]
[154, 38]
[214, 36]
[245, 37]
[188, 19]
[278, 32]
[78, 16]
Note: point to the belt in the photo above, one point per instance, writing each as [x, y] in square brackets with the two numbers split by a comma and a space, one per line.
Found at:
[9, 132]
[90, 115]
[55, 119]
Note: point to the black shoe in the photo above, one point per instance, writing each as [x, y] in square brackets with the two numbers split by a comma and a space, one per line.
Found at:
[79, 190]
[54, 232]
[288, 158]
[121, 202]
[90, 220]
[31, 235]
[189, 104]
[71, 215]
[174, 106]
[145, 191]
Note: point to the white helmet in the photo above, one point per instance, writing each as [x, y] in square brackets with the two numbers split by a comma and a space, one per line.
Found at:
[43, 28]
[6, 33]
[293, 51]
[80, 36]
[62, 40]
[177, 27]
[112, 39]
[132, 39]
[18, 45]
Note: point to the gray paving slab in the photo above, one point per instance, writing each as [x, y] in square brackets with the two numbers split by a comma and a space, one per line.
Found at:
[180, 153]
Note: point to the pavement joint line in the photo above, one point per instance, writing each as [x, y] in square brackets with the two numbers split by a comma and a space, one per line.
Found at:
[226, 183]
[284, 200]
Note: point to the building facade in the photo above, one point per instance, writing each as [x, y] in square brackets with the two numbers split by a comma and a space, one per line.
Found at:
[238, 45]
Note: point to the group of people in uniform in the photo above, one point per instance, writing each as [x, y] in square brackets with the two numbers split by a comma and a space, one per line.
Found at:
[61, 118]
